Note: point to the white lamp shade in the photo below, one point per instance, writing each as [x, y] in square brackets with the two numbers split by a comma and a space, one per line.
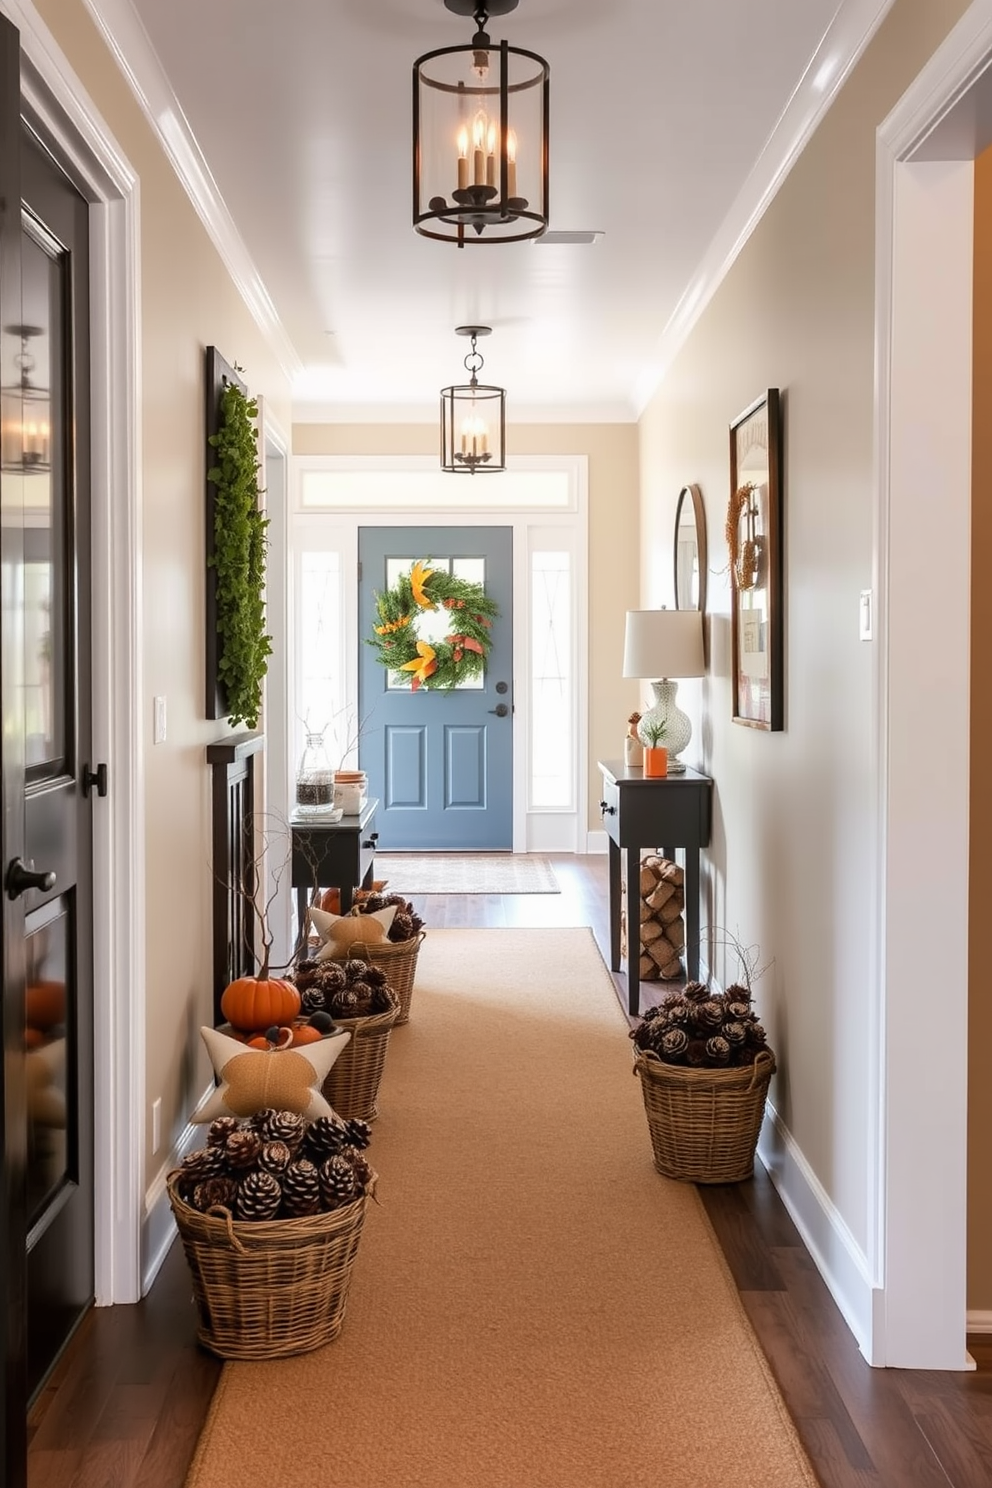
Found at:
[663, 643]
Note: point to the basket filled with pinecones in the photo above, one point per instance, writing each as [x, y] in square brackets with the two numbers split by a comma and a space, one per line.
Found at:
[704, 1066]
[270, 1213]
[397, 953]
[358, 997]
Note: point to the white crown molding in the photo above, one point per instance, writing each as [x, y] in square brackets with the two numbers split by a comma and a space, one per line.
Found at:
[842, 44]
[132, 49]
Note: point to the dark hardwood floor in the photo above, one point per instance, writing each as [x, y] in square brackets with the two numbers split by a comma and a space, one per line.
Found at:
[124, 1407]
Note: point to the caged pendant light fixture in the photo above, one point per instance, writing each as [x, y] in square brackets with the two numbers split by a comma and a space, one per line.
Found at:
[26, 435]
[473, 418]
[480, 137]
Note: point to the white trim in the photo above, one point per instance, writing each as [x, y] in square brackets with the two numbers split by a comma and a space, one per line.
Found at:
[158, 1228]
[923, 382]
[129, 44]
[980, 1322]
[58, 106]
[597, 841]
[840, 1261]
[842, 44]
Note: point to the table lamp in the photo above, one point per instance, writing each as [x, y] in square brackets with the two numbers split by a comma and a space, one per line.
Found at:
[665, 644]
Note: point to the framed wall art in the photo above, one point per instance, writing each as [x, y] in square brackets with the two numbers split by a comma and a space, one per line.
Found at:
[754, 542]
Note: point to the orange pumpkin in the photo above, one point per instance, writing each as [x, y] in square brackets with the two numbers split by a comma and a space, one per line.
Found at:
[251, 1003]
[305, 1033]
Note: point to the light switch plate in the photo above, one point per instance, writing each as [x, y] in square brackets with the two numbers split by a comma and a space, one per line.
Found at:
[866, 616]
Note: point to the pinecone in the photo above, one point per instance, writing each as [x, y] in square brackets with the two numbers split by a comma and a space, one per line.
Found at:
[673, 1045]
[402, 926]
[301, 1189]
[314, 1000]
[325, 1137]
[274, 1158]
[360, 1163]
[242, 1148]
[331, 976]
[695, 992]
[283, 1126]
[735, 1033]
[354, 970]
[259, 1196]
[372, 903]
[359, 1132]
[219, 1130]
[739, 1011]
[737, 993]
[708, 1014]
[718, 1050]
[382, 999]
[375, 976]
[215, 1191]
[362, 992]
[344, 1004]
[305, 974]
[338, 1182]
[205, 1162]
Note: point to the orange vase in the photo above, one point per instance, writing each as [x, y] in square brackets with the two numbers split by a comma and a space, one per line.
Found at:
[655, 762]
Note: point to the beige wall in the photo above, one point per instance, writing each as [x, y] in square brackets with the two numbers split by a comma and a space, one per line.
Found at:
[790, 865]
[613, 542]
[188, 301]
[980, 868]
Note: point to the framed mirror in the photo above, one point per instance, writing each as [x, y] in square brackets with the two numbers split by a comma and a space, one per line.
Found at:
[690, 550]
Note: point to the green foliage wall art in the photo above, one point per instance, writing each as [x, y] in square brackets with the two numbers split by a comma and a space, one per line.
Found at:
[236, 552]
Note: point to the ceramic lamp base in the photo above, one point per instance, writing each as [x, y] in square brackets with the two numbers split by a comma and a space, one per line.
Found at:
[678, 727]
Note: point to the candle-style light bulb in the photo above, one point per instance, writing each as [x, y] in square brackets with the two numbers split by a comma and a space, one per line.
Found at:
[462, 158]
[511, 163]
[491, 156]
[479, 128]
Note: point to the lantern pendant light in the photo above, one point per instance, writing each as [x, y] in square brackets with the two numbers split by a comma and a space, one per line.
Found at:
[26, 428]
[480, 137]
[473, 418]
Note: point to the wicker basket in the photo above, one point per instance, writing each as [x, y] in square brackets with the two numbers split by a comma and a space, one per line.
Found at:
[353, 1083]
[268, 1289]
[704, 1123]
[398, 959]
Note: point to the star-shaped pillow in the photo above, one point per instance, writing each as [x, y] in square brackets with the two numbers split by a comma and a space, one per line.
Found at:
[254, 1079]
[338, 933]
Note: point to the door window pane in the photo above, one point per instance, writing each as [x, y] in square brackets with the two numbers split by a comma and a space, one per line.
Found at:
[551, 682]
[46, 1031]
[321, 706]
[47, 472]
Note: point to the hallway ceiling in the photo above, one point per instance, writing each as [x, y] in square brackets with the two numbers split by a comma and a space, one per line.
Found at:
[659, 114]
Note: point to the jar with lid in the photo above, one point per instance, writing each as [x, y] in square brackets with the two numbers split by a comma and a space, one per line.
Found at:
[315, 779]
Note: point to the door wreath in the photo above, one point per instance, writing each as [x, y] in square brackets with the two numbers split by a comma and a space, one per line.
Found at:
[461, 655]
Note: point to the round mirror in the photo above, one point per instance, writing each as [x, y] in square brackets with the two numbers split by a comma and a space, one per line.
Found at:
[690, 550]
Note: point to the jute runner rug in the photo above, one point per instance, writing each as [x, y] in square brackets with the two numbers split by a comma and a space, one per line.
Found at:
[533, 1306]
[466, 873]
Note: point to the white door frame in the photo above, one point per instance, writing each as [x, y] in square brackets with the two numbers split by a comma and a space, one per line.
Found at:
[57, 106]
[924, 275]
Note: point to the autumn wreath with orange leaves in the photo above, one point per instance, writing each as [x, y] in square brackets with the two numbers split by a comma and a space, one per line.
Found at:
[461, 655]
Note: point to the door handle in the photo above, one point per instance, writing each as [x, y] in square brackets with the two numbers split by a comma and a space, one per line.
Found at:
[97, 777]
[500, 710]
[22, 876]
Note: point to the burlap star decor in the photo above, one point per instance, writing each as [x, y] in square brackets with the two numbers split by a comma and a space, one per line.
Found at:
[255, 1079]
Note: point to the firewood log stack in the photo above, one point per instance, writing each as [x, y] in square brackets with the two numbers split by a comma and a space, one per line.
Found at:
[661, 903]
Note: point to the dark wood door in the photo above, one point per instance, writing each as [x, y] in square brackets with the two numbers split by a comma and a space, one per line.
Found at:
[45, 650]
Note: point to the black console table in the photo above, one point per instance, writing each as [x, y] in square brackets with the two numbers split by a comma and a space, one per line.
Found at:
[639, 813]
[332, 855]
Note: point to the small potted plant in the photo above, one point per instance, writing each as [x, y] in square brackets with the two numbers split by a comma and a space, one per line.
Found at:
[704, 1065]
[652, 731]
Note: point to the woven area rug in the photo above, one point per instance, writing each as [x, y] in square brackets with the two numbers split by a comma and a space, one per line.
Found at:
[466, 873]
[532, 1305]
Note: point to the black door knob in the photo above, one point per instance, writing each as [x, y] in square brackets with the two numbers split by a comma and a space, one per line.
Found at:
[500, 710]
[22, 876]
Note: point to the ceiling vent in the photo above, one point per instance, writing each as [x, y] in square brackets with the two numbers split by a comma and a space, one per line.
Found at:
[579, 238]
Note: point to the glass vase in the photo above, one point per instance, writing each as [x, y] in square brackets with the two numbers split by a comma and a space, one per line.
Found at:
[314, 779]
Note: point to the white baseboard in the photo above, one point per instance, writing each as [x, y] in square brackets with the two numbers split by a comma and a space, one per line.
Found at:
[979, 1322]
[834, 1250]
[158, 1228]
[597, 842]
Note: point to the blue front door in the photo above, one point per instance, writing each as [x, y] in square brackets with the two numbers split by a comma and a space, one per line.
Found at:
[439, 762]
